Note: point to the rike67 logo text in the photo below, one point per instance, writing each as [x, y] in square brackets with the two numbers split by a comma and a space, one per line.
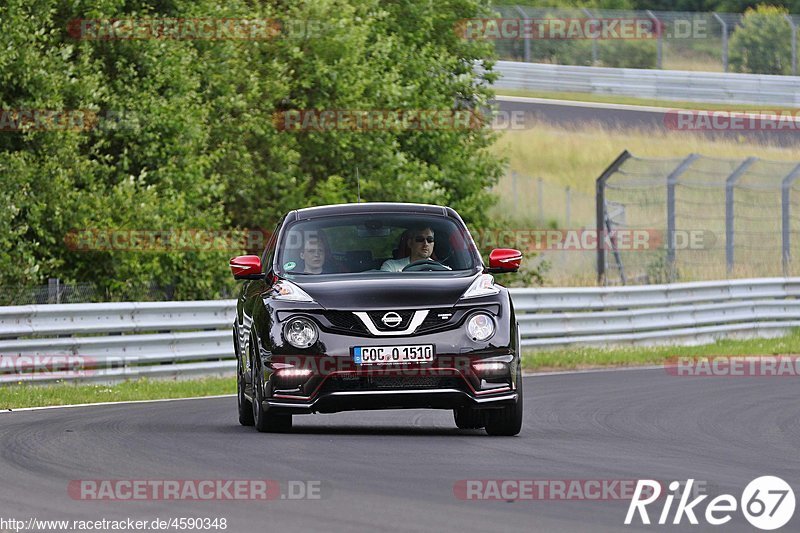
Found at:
[767, 503]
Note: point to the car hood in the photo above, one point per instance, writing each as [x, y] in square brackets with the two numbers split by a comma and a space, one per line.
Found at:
[387, 292]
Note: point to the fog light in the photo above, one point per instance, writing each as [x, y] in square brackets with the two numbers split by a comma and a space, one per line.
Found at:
[480, 327]
[490, 368]
[294, 372]
[301, 332]
[291, 378]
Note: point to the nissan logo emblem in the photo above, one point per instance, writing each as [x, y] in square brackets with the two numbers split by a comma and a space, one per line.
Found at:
[391, 319]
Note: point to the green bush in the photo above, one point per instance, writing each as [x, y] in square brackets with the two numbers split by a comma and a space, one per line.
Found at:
[200, 149]
[763, 43]
[627, 54]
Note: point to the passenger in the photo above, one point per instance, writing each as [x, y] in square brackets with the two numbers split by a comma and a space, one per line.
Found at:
[314, 254]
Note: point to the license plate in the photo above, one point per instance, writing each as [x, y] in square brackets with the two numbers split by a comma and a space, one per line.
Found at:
[387, 355]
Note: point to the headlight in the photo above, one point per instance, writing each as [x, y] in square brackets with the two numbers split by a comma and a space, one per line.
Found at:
[301, 332]
[480, 327]
[288, 291]
[482, 286]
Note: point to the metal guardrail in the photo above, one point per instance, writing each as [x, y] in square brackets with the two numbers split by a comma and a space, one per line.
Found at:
[680, 85]
[116, 341]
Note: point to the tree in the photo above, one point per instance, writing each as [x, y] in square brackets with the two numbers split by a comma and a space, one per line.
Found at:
[198, 148]
[763, 42]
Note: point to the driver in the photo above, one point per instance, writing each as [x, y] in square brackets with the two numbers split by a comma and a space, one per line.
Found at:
[420, 246]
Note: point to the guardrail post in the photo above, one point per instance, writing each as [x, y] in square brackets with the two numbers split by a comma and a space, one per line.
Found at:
[724, 41]
[527, 40]
[660, 41]
[730, 182]
[600, 212]
[786, 234]
[672, 181]
[794, 44]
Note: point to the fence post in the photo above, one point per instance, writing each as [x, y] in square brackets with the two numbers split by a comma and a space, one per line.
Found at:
[594, 39]
[569, 205]
[514, 192]
[730, 182]
[527, 40]
[794, 44]
[539, 200]
[672, 181]
[786, 234]
[53, 293]
[600, 212]
[724, 41]
[660, 41]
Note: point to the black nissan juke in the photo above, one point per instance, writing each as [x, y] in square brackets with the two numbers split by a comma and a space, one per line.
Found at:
[376, 306]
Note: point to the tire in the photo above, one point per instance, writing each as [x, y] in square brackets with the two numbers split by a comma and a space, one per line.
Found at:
[245, 405]
[469, 418]
[508, 420]
[265, 421]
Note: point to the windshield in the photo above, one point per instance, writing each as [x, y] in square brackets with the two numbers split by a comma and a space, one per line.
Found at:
[375, 244]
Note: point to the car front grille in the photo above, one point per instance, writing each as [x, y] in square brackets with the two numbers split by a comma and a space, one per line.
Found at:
[348, 322]
[345, 320]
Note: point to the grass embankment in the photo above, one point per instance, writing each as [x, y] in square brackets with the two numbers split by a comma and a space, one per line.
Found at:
[24, 395]
[18, 396]
[576, 157]
[583, 358]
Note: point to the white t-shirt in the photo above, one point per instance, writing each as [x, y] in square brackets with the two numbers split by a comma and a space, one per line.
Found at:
[395, 265]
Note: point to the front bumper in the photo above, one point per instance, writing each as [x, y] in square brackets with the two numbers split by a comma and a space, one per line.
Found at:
[337, 401]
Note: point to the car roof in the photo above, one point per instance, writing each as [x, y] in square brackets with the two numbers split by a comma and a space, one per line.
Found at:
[370, 207]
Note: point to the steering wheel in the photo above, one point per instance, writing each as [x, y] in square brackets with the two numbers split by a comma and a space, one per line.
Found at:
[424, 265]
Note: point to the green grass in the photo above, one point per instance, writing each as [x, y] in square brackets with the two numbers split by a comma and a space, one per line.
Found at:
[578, 358]
[25, 395]
[631, 100]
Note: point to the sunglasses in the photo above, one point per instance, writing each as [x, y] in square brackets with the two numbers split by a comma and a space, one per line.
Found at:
[420, 238]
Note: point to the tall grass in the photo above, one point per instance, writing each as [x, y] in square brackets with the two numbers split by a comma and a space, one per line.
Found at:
[577, 156]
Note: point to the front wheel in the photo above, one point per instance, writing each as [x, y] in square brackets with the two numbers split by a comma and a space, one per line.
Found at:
[265, 421]
[508, 420]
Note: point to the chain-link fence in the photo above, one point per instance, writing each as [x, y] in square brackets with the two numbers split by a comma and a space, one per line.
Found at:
[535, 202]
[670, 40]
[697, 218]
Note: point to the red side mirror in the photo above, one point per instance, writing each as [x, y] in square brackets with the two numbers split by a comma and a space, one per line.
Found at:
[246, 267]
[504, 260]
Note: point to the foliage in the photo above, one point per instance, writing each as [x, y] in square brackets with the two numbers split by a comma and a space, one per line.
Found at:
[197, 147]
[762, 44]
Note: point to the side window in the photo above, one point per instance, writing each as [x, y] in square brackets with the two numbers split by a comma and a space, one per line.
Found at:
[269, 251]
